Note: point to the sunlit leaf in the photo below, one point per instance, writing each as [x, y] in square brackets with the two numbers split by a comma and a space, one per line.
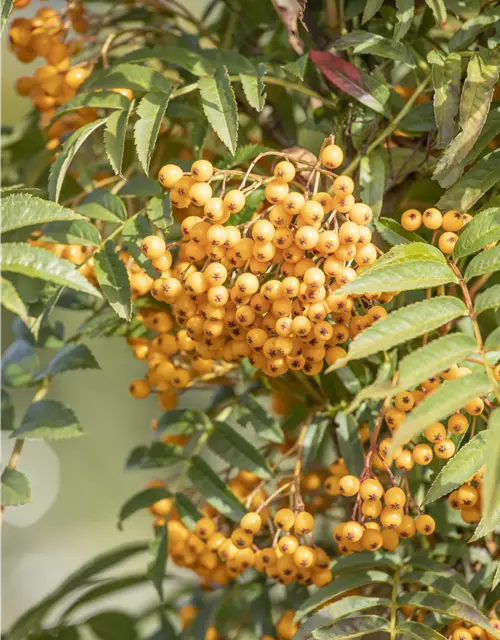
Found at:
[488, 299]
[219, 106]
[15, 488]
[227, 443]
[113, 280]
[48, 420]
[151, 111]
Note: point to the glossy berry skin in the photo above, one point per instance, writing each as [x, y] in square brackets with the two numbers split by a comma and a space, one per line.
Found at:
[395, 498]
[204, 528]
[332, 156]
[425, 525]
[411, 220]
[284, 519]
[352, 531]
[444, 449]
[371, 540]
[251, 523]
[304, 523]
[371, 489]
[349, 486]
[241, 539]
[153, 247]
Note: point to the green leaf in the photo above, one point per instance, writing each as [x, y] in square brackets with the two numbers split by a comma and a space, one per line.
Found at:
[393, 233]
[195, 62]
[151, 111]
[219, 106]
[74, 232]
[140, 185]
[496, 577]
[101, 204]
[233, 448]
[187, 511]
[372, 182]
[479, 232]
[436, 581]
[338, 610]
[159, 212]
[15, 488]
[142, 500]
[486, 526]
[365, 560]
[263, 423]
[423, 363]
[418, 631]
[24, 210]
[48, 420]
[474, 106]
[464, 464]
[449, 607]
[448, 398]
[471, 186]
[339, 586]
[485, 262]
[94, 99]
[110, 625]
[406, 324]
[11, 300]
[36, 262]
[5, 11]
[470, 29]
[491, 486]
[113, 280]
[489, 299]
[69, 149]
[253, 86]
[354, 628]
[182, 421]
[350, 443]
[311, 444]
[404, 15]
[70, 358]
[7, 420]
[129, 76]
[371, 8]
[158, 455]
[114, 137]
[446, 75]
[214, 490]
[372, 43]
[404, 267]
[20, 364]
[438, 10]
[298, 67]
[493, 340]
[157, 569]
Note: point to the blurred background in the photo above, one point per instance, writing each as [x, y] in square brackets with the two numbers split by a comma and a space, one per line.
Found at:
[79, 485]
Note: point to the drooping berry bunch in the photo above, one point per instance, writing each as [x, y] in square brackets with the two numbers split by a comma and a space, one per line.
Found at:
[445, 226]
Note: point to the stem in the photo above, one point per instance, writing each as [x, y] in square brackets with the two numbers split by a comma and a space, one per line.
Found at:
[394, 603]
[284, 487]
[477, 331]
[389, 129]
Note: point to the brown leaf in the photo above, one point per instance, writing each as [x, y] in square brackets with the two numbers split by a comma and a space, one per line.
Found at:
[290, 12]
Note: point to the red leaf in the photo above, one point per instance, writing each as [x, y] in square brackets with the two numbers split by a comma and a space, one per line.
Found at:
[353, 81]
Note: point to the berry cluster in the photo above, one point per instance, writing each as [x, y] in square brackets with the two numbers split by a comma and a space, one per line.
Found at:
[458, 630]
[266, 289]
[467, 498]
[446, 225]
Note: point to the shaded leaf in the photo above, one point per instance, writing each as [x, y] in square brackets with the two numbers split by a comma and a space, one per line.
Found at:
[70, 147]
[93, 99]
[7, 420]
[354, 628]
[195, 62]
[366, 42]
[101, 204]
[471, 186]
[439, 582]
[113, 280]
[182, 421]
[214, 490]
[110, 625]
[404, 15]
[156, 456]
[446, 75]
[142, 500]
[438, 10]
[36, 262]
[141, 186]
[24, 210]
[405, 324]
[372, 182]
[496, 577]
[263, 423]
[130, 76]
[393, 233]
[151, 111]
[365, 560]
[48, 420]
[298, 67]
[70, 358]
[351, 80]
[20, 364]
[6, 8]
[11, 300]
[339, 586]
[159, 212]
[233, 448]
[79, 232]
[491, 487]
[187, 511]
[158, 567]
[489, 299]
[448, 398]
[479, 232]
[350, 443]
[371, 8]
[493, 340]
[115, 135]
[219, 106]
[15, 488]
[313, 439]
[418, 631]
[404, 267]
[470, 29]
[485, 262]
